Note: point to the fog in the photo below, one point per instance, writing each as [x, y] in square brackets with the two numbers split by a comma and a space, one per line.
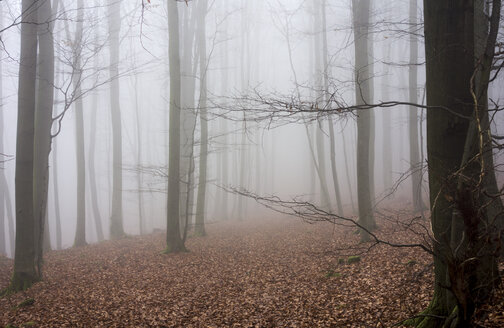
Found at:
[251, 163]
[247, 46]
[254, 49]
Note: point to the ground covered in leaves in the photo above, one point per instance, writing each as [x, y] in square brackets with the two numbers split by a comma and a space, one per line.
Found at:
[259, 273]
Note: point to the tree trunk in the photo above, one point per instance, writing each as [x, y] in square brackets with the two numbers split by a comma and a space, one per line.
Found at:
[174, 243]
[200, 205]
[91, 155]
[363, 96]
[3, 186]
[116, 220]
[332, 140]
[415, 164]
[462, 226]
[187, 116]
[139, 160]
[80, 233]
[57, 213]
[347, 169]
[42, 129]
[25, 273]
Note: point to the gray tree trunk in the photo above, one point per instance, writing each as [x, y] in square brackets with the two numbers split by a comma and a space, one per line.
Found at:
[386, 129]
[80, 233]
[173, 240]
[188, 115]
[363, 96]
[139, 160]
[415, 165]
[57, 213]
[347, 170]
[332, 138]
[91, 155]
[200, 205]
[42, 128]
[116, 219]
[3, 186]
[224, 128]
[25, 273]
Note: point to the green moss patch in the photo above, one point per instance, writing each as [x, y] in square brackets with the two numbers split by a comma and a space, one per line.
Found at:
[353, 259]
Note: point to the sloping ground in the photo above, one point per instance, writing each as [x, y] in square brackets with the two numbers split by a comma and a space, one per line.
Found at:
[277, 273]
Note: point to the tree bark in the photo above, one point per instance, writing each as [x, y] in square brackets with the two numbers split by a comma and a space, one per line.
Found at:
[200, 204]
[187, 115]
[332, 137]
[457, 79]
[363, 96]
[80, 233]
[91, 155]
[174, 242]
[25, 273]
[415, 164]
[116, 219]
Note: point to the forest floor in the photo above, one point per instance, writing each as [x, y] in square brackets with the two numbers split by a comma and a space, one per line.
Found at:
[258, 273]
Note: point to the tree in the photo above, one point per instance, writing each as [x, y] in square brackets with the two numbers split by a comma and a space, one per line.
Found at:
[174, 242]
[363, 96]
[416, 172]
[80, 233]
[188, 65]
[5, 201]
[332, 137]
[91, 154]
[466, 212]
[43, 124]
[25, 272]
[116, 224]
[200, 204]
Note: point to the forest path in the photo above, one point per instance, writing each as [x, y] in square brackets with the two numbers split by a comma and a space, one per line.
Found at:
[262, 273]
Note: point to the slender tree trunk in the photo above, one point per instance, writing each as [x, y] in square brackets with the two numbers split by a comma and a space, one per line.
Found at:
[116, 219]
[415, 164]
[187, 116]
[173, 240]
[224, 127]
[139, 160]
[3, 187]
[91, 155]
[200, 205]
[363, 95]
[42, 129]
[57, 213]
[332, 140]
[347, 170]
[244, 79]
[319, 77]
[80, 233]
[8, 213]
[25, 273]
[386, 129]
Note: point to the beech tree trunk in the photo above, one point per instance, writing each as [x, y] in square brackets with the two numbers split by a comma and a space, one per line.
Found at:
[116, 220]
[459, 53]
[200, 205]
[25, 272]
[174, 242]
[80, 233]
[363, 96]
[415, 164]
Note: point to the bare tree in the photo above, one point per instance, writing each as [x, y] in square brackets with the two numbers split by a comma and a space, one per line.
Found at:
[116, 224]
[203, 64]
[363, 96]
[174, 242]
[25, 271]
